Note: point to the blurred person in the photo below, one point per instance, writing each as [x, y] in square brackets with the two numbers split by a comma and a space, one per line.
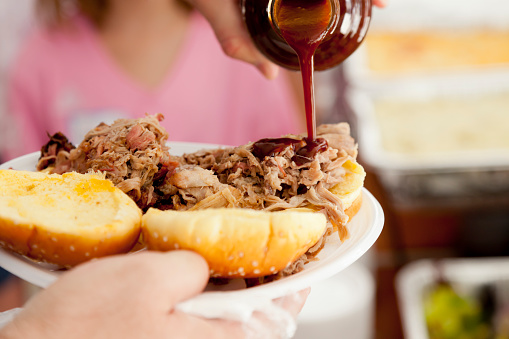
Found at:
[13, 28]
[131, 296]
[92, 61]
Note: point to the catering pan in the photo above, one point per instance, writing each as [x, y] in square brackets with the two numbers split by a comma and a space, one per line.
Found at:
[432, 39]
[481, 288]
[436, 143]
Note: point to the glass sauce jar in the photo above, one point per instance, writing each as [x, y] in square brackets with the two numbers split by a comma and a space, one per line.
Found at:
[350, 25]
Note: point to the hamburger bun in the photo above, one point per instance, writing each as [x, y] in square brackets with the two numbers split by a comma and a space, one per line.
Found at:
[350, 193]
[236, 242]
[245, 243]
[65, 219]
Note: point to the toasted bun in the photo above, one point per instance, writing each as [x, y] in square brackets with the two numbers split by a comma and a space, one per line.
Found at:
[244, 243]
[236, 242]
[350, 189]
[65, 219]
[350, 192]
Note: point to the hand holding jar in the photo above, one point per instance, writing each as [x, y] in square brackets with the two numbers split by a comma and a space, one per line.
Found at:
[226, 18]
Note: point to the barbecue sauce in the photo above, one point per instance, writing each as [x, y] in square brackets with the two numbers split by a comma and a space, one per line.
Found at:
[307, 34]
[305, 149]
[310, 150]
[303, 24]
[351, 23]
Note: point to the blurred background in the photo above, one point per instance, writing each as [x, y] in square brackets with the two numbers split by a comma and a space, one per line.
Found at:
[427, 96]
[428, 93]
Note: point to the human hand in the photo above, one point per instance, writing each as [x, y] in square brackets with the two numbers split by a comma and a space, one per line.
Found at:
[128, 296]
[225, 18]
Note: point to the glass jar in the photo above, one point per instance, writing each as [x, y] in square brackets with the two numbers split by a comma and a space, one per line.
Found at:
[352, 18]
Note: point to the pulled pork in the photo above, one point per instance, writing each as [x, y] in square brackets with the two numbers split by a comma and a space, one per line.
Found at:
[276, 181]
[270, 174]
[55, 151]
[132, 154]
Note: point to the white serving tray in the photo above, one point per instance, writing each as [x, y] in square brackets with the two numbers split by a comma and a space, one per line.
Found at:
[424, 16]
[363, 104]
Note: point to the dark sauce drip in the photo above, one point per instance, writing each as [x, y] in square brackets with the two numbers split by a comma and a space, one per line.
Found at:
[304, 24]
[308, 153]
[270, 146]
[305, 149]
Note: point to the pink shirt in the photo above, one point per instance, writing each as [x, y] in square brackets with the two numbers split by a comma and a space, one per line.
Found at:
[66, 81]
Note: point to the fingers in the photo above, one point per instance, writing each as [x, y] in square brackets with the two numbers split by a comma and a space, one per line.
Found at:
[142, 288]
[225, 18]
[168, 272]
[155, 275]
[271, 323]
[278, 321]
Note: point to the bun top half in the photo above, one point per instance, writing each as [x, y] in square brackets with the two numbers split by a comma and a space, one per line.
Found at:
[65, 219]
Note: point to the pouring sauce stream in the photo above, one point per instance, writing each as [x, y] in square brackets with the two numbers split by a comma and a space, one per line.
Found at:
[304, 24]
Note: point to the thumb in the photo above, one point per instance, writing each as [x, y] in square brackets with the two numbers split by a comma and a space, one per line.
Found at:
[185, 275]
[179, 275]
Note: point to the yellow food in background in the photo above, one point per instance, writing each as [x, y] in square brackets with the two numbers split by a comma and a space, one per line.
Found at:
[444, 125]
[396, 53]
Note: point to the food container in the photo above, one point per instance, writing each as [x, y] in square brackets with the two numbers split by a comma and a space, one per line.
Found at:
[437, 143]
[430, 97]
[432, 40]
[470, 278]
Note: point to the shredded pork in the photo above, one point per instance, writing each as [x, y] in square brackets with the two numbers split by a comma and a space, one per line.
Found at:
[276, 182]
[134, 156]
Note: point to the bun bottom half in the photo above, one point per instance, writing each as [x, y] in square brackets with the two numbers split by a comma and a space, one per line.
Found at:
[236, 243]
[65, 250]
[239, 243]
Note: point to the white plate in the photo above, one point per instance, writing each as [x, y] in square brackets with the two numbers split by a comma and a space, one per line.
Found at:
[364, 228]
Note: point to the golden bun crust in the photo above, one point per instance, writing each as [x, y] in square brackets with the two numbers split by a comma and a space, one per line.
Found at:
[350, 193]
[65, 219]
[244, 243]
[350, 189]
[354, 207]
[237, 243]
